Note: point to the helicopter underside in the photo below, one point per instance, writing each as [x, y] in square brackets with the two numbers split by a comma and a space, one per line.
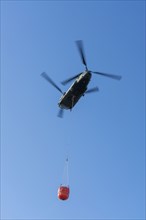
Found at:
[71, 97]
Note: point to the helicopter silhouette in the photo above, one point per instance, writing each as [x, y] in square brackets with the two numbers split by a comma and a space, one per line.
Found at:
[79, 86]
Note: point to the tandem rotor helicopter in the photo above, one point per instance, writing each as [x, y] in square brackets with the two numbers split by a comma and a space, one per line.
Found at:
[79, 86]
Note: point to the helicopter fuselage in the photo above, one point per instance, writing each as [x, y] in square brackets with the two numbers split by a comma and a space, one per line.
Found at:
[76, 90]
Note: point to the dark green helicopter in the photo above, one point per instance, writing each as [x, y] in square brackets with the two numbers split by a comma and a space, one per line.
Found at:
[79, 86]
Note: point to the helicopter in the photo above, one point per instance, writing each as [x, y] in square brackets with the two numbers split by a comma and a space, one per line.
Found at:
[79, 86]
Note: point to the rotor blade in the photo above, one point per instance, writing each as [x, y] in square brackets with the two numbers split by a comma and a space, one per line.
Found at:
[117, 77]
[81, 51]
[95, 89]
[45, 76]
[70, 79]
[60, 113]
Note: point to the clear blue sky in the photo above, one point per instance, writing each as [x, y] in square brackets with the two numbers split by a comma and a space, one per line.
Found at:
[104, 135]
